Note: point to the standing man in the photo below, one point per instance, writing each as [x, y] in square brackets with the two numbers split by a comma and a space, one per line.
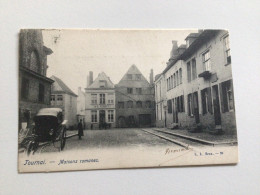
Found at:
[80, 129]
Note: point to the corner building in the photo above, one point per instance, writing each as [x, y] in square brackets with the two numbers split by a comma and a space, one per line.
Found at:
[199, 87]
[34, 86]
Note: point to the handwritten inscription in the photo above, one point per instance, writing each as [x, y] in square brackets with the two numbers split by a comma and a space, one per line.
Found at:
[170, 151]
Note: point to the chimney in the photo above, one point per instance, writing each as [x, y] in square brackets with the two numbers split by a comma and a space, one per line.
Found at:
[174, 51]
[90, 78]
[151, 76]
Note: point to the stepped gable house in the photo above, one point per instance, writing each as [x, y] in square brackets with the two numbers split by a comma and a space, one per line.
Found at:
[135, 100]
[34, 86]
[63, 97]
[197, 85]
[100, 109]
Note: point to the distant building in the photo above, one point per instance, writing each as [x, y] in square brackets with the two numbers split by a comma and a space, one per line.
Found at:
[34, 86]
[63, 97]
[81, 106]
[160, 100]
[100, 109]
[199, 86]
[135, 100]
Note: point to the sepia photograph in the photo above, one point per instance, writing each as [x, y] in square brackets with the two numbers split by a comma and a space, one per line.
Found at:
[119, 98]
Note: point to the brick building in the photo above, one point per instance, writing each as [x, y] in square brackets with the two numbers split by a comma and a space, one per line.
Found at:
[198, 82]
[100, 109]
[34, 86]
[63, 97]
[135, 100]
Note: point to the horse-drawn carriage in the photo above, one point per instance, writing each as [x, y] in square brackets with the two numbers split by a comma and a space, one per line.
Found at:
[49, 128]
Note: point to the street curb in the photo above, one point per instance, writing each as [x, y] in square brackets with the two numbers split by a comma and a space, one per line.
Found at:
[196, 139]
[168, 139]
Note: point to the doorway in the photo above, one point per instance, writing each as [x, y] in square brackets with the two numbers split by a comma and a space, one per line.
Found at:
[196, 107]
[145, 120]
[216, 106]
[102, 116]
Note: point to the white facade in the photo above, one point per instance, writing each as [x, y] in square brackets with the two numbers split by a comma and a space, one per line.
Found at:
[100, 103]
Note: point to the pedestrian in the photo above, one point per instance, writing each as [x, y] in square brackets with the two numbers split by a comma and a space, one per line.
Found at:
[80, 129]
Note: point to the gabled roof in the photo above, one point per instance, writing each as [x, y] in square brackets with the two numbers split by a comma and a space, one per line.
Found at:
[101, 77]
[60, 86]
[133, 70]
[200, 40]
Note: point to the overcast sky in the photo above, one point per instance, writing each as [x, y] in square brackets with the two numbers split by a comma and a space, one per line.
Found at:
[76, 52]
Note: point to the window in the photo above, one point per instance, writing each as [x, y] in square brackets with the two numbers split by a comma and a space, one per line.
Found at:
[138, 77]
[111, 116]
[102, 99]
[130, 90]
[139, 104]
[52, 97]
[206, 100]
[171, 83]
[25, 88]
[93, 116]
[110, 101]
[94, 99]
[102, 84]
[110, 98]
[41, 93]
[130, 104]
[157, 112]
[129, 76]
[206, 61]
[182, 104]
[148, 104]
[169, 105]
[59, 99]
[227, 50]
[52, 100]
[190, 106]
[167, 84]
[121, 105]
[227, 96]
[194, 71]
[138, 90]
[177, 78]
[180, 73]
[189, 72]
[174, 78]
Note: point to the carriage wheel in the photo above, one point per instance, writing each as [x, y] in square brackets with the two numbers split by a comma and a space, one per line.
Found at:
[31, 148]
[62, 138]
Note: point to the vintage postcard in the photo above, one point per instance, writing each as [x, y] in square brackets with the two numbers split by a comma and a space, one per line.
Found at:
[105, 99]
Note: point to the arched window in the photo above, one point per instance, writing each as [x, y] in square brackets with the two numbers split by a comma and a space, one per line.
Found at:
[130, 104]
[139, 104]
[148, 104]
[34, 62]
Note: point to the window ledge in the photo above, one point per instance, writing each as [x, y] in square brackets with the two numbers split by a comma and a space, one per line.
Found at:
[227, 64]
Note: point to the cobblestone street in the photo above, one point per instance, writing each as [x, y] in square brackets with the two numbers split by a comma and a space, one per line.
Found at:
[113, 138]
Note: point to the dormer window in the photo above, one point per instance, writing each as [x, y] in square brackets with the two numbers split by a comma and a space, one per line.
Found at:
[227, 50]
